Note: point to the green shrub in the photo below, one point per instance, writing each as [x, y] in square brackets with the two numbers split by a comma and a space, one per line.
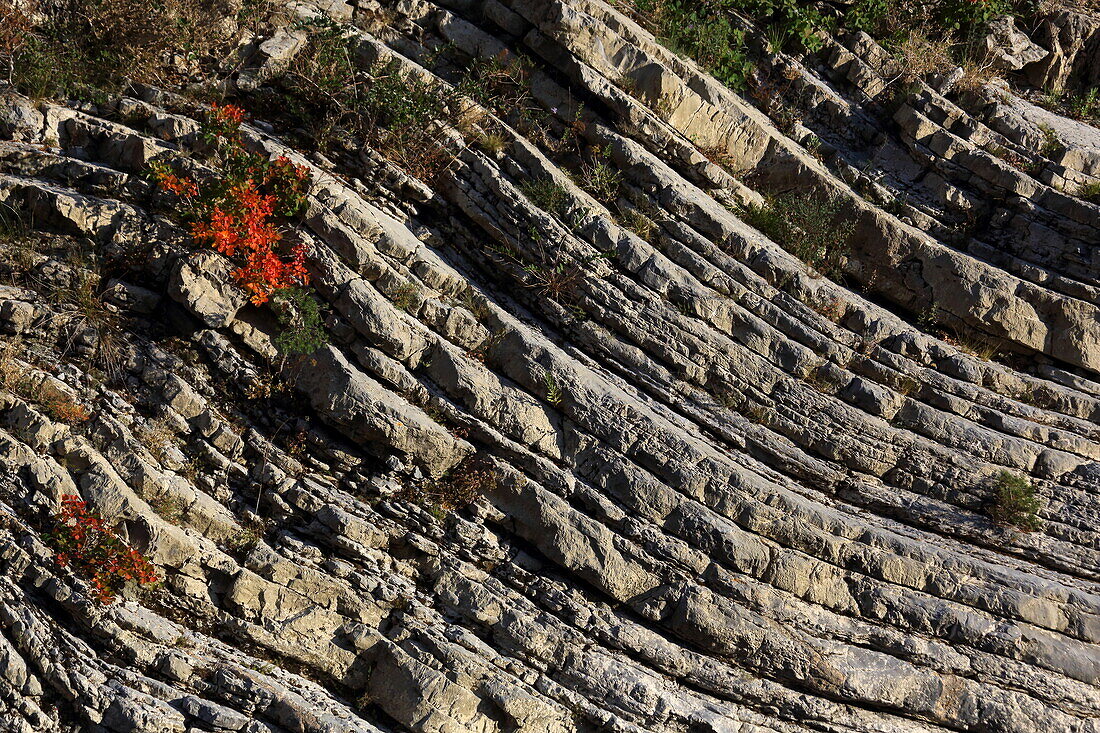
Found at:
[969, 16]
[547, 194]
[406, 296]
[299, 314]
[1084, 106]
[812, 227]
[1014, 502]
[1051, 142]
[894, 19]
[702, 31]
[325, 92]
[800, 20]
[1090, 192]
[601, 179]
[88, 48]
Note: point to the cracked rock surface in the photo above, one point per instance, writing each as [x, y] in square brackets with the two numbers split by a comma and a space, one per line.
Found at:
[706, 489]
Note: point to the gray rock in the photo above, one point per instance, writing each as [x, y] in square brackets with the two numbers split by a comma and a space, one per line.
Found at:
[1007, 48]
[203, 283]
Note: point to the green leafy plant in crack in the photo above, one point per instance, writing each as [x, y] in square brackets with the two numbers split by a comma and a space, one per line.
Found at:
[547, 194]
[1015, 502]
[893, 20]
[814, 227]
[600, 178]
[702, 31]
[89, 49]
[1090, 192]
[299, 314]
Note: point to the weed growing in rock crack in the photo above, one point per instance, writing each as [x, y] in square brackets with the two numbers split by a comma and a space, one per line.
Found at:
[817, 377]
[89, 311]
[1084, 106]
[191, 468]
[394, 111]
[1051, 99]
[549, 195]
[404, 109]
[57, 404]
[1014, 502]
[812, 227]
[481, 351]
[157, 437]
[930, 317]
[906, 385]
[62, 408]
[299, 314]
[476, 304]
[557, 282]
[1090, 192]
[492, 143]
[919, 55]
[600, 178]
[502, 83]
[729, 399]
[976, 345]
[244, 538]
[406, 296]
[1051, 143]
[639, 223]
[898, 205]
[866, 345]
[555, 395]
[169, 508]
[777, 37]
[626, 83]
[812, 143]
[14, 226]
[83, 541]
[758, 413]
[458, 488]
[832, 310]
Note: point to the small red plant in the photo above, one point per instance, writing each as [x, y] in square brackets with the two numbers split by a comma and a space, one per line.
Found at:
[237, 215]
[83, 541]
[63, 409]
[224, 121]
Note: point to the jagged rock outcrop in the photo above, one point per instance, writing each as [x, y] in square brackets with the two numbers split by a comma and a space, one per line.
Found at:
[596, 463]
[1072, 35]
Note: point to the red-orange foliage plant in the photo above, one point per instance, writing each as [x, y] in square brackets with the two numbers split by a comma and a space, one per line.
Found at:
[237, 214]
[83, 541]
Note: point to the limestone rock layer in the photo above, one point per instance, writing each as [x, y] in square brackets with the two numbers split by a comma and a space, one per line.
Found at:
[602, 462]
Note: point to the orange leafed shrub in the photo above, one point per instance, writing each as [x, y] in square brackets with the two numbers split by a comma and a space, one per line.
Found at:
[67, 411]
[84, 542]
[238, 215]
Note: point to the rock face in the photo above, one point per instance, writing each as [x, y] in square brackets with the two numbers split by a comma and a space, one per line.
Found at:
[1005, 47]
[551, 472]
[1073, 38]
